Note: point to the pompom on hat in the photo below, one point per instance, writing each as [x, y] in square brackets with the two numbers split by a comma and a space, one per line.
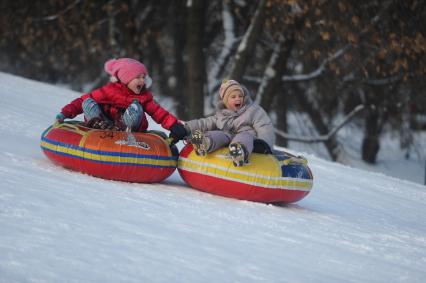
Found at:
[227, 87]
[126, 69]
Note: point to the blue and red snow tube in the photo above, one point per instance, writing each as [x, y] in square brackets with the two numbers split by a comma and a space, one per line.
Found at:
[131, 157]
[268, 178]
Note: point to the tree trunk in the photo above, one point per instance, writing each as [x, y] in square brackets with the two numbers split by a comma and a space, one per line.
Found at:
[370, 143]
[374, 122]
[271, 81]
[281, 108]
[158, 64]
[179, 71]
[196, 66]
[332, 145]
[271, 86]
[248, 44]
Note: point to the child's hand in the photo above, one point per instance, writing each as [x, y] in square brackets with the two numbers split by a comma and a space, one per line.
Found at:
[178, 131]
[59, 118]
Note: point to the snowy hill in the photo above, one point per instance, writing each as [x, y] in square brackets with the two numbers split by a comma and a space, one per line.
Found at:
[61, 226]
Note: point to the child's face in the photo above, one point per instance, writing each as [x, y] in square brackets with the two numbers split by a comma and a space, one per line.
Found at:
[235, 100]
[137, 84]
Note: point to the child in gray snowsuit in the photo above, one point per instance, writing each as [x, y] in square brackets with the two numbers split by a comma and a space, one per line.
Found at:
[238, 122]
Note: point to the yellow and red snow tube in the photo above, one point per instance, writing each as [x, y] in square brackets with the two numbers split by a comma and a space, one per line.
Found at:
[131, 157]
[268, 178]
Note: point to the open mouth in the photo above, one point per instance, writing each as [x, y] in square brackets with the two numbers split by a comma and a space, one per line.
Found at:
[238, 105]
[139, 87]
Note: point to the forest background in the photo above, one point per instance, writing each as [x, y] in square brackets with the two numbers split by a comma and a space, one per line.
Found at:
[332, 61]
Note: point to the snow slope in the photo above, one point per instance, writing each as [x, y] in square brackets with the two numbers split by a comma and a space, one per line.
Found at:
[61, 226]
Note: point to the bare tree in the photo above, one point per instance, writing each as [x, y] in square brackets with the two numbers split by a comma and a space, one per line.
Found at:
[196, 64]
[248, 44]
[178, 77]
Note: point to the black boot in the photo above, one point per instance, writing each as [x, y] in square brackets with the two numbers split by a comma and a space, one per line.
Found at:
[200, 142]
[98, 123]
[238, 154]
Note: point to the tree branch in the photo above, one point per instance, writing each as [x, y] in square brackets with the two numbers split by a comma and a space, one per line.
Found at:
[247, 45]
[270, 72]
[384, 81]
[338, 53]
[228, 43]
[55, 16]
[326, 137]
[213, 80]
[320, 69]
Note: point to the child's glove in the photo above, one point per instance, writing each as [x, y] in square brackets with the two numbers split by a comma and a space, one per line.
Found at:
[178, 131]
[59, 118]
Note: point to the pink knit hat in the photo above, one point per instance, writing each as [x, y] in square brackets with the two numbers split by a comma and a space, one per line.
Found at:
[125, 69]
[227, 87]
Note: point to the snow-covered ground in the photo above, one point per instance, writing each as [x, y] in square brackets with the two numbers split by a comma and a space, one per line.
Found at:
[61, 226]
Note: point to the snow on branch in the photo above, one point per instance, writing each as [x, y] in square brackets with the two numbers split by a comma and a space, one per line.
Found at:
[270, 70]
[246, 47]
[320, 69]
[384, 81]
[228, 43]
[55, 16]
[325, 137]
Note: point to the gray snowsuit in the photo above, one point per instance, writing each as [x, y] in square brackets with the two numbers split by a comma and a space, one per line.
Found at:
[226, 126]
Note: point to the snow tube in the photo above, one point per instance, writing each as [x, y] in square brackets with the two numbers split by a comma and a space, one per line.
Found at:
[122, 156]
[269, 178]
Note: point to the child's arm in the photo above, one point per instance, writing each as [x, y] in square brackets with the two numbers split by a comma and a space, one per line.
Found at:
[75, 108]
[263, 126]
[159, 114]
[203, 124]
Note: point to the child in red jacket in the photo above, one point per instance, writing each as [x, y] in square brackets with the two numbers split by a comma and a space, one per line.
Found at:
[122, 103]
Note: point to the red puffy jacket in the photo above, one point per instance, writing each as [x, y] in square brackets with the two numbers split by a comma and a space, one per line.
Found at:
[114, 98]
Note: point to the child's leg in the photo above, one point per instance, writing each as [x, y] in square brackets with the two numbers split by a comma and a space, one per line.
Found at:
[94, 116]
[240, 148]
[217, 139]
[91, 109]
[209, 141]
[246, 139]
[132, 117]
